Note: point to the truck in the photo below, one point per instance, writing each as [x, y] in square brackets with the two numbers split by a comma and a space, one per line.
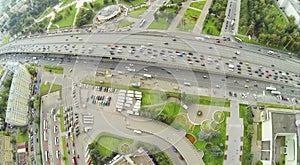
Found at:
[275, 92]
[270, 88]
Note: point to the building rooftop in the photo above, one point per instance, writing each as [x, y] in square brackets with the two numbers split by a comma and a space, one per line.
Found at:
[17, 104]
[139, 157]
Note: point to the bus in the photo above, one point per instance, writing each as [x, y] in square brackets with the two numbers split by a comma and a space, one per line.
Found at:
[86, 148]
[187, 84]
[270, 88]
[45, 124]
[46, 156]
[275, 92]
[45, 137]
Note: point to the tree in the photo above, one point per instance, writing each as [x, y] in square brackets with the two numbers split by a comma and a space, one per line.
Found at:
[204, 136]
[215, 133]
[57, 18]
[250, 131]
[258, 162]
[247, 160]
[105, 2]
[85, 4]
[156, 16]
[97, 5]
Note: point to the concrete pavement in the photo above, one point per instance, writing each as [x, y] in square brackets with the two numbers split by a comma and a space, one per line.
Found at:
[234, 135]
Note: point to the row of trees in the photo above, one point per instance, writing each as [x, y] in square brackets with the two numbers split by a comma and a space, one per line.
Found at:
[4, 93]
[261, 21]
[248, 122]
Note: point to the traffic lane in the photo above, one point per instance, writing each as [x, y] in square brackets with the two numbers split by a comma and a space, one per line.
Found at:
[204, 49]
[181, 74]
[96, 35]
[269, 68]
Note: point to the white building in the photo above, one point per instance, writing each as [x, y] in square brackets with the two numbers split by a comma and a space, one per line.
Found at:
[19, 94]
[280, 125]
[291, 8]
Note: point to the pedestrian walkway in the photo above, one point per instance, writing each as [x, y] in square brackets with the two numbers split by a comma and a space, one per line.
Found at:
[177, 19]
[199, 25]
[234, 135]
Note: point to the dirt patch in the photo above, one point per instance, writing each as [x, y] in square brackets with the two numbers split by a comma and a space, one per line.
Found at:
[191, 138]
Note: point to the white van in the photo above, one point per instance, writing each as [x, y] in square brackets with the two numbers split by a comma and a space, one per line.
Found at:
[137, 131]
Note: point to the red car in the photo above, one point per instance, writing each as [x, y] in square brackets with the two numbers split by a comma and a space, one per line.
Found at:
[255, 85]
[181, 157]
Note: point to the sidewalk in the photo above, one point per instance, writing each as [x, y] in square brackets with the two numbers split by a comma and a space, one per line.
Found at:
[177, 19]
[199, 25]
[234, 134]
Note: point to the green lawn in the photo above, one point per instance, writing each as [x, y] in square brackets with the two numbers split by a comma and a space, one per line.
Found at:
[137, 12]
[259, 131]
[61, 114]
[54, 69]
[198, 4]
[153, 97]
[206, 100]
[106, 143]
[44, 88]
[22, 137]
[161, 23]
[132, 2]
[67, 20]
[212, 25]
[189, 20]
[200, 145]
[124, 24]
[171, 109]
[63, 141]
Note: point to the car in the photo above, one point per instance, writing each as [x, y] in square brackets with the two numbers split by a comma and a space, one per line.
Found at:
[205, 77]
[261, 107]
[166, 43]
[174, 149]
[180, 157]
